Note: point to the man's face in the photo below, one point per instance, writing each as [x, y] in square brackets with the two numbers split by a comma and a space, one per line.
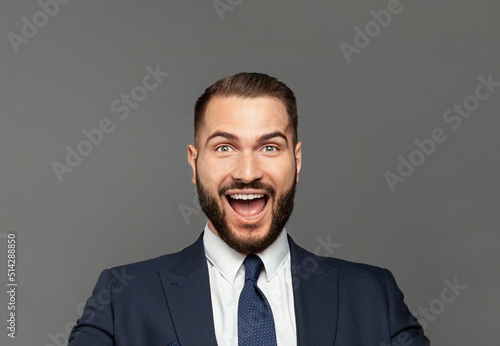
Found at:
[245, 168]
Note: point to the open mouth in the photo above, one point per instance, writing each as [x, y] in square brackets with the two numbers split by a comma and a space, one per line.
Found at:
[247, 205]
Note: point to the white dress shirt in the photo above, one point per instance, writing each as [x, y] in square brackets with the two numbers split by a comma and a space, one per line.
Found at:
[227, 278]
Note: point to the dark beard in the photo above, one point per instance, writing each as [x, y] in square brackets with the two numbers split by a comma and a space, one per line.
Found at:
[216, 214]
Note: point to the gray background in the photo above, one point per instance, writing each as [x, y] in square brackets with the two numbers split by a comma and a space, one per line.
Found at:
[123, 202]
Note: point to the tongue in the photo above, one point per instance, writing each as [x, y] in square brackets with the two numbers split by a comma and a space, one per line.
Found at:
[249, 207]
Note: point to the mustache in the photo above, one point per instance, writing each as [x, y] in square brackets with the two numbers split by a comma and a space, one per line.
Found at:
[257, 185]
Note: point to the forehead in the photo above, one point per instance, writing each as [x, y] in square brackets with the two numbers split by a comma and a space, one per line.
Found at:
[245, 115]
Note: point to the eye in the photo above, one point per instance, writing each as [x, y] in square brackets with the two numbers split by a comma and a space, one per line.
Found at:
[269, 148]
[224, 149]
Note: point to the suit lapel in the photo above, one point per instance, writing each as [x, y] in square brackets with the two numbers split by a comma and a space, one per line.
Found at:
[186, 285]
[315, 287]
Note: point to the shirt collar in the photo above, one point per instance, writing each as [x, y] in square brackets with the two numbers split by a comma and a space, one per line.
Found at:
[228, 261]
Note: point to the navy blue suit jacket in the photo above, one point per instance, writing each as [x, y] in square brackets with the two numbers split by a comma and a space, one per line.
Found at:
[166, 301]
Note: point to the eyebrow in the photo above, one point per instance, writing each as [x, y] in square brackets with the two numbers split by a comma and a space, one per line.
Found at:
[230, 136]
[222, 134]
[273, 135]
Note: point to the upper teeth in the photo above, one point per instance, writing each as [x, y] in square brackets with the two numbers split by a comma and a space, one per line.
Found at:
[246, 196]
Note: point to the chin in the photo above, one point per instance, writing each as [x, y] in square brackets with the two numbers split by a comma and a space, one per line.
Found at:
[250, 238]
[250, 232]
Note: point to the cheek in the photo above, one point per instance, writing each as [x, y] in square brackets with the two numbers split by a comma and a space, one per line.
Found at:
[212, 175]
[282, 171]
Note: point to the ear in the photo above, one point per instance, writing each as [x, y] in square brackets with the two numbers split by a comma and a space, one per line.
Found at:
[298, 158]
[192, 156]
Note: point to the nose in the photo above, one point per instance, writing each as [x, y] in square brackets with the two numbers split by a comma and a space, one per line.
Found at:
[247, 168]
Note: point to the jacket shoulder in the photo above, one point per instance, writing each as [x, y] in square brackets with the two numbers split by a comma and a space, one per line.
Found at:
[188, 258]
[348, 272]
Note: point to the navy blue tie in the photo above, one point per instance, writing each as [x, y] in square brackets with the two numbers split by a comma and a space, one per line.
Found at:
[255, 317]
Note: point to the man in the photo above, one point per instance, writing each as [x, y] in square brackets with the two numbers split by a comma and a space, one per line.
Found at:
[244, 281]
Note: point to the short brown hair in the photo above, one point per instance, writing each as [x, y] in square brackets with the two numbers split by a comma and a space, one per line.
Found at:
[251, 85]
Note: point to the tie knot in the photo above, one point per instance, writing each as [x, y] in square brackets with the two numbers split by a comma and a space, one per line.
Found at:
[253, 267]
